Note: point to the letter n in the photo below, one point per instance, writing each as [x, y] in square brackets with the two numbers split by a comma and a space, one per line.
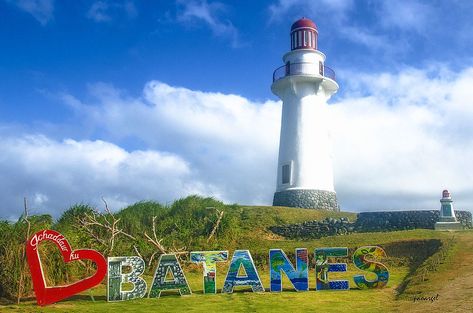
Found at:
[299, 277]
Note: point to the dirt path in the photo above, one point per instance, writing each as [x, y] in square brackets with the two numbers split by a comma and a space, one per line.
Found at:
[451, 289]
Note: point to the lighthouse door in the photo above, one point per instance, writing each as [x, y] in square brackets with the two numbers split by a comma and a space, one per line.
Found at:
[286, 172]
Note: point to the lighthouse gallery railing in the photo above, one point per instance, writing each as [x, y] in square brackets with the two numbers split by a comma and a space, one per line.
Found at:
[303, 68]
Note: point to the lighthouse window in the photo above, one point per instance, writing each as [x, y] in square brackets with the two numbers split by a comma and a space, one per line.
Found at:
[299, 38]
[310, 38]
[286, 174]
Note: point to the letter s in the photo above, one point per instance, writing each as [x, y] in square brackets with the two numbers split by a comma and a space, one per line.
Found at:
[361, 262]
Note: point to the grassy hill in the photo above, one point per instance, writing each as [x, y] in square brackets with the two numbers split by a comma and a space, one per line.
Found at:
[415, 257]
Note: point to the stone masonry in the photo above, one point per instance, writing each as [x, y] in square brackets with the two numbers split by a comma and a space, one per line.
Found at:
[307, 199]
[369, 222]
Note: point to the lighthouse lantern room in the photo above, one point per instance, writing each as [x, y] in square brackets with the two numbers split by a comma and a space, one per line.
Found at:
[304, 84]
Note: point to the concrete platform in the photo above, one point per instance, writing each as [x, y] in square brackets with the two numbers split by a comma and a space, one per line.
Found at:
[448, 226]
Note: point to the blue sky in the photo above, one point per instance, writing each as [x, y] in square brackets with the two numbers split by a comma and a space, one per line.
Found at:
[136, 100]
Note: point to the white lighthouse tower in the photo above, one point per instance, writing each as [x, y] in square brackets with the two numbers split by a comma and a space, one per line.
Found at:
[304, 84]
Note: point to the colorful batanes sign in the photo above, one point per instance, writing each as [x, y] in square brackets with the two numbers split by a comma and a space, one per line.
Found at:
[170, 276]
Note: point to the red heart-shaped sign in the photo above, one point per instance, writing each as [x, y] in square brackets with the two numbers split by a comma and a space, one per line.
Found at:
[47, 295]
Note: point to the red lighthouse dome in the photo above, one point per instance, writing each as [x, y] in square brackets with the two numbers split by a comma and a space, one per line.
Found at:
[304, 34]
[303, 23]
[446, 194]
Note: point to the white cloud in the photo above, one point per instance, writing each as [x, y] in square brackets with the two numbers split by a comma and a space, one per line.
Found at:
[41, 10]
[55, 174]
[103, 11]
[408, 134]
[406, 140]
[230, 141]
[406, 15]
[221, 145]
[209, 14]
[399, 139]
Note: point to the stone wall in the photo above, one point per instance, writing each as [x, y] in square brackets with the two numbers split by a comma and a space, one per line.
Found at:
[399, 220]
[315, 229]
[307, 198]
[464, 217]
[368, 222]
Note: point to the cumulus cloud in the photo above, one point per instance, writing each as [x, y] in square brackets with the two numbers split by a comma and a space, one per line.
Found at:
[41, 10]
[398, 140]
[196, 142]
[404, 139]
[209, 14]
[55, 174]
[230, 141]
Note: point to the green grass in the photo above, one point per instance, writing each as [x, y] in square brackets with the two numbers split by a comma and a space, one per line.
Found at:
[245, 301]
[189, 222]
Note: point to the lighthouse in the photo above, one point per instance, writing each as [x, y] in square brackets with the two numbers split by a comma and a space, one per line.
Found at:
[447, 219]
[304, 84]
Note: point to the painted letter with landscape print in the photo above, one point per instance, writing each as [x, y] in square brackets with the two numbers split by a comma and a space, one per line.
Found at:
[209, 261]
[360, 260]
[279, 262]
[169, 276]
[323, 267]
[242, 259]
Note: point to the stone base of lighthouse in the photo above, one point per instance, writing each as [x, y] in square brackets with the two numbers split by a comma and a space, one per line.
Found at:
[307, 198]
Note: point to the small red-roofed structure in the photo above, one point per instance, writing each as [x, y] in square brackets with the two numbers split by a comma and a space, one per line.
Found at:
[304, 34]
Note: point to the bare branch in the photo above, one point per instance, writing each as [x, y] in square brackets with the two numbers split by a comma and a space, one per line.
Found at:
[155, 241]
[106, 221]
[154, 230]
[106, 205]
[137, 252]
[107, 210]
[151, 258]
[21, 282]
[217, 223]
[157, 244]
